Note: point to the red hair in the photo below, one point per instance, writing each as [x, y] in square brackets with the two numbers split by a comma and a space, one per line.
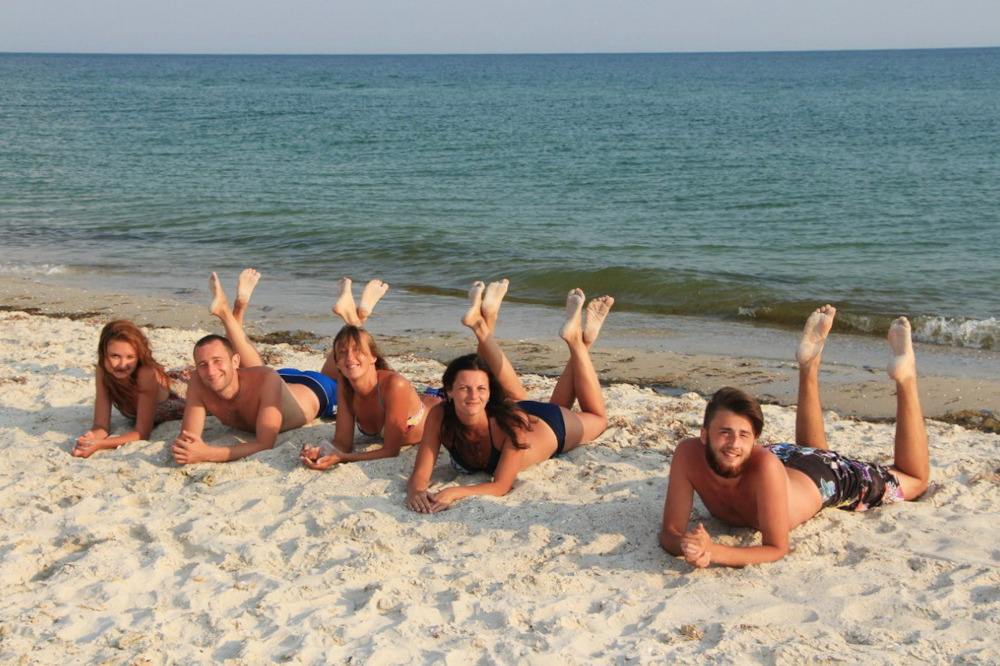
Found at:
[123, 394]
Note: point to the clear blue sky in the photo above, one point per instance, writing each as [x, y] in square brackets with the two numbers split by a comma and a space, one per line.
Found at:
[491, 26]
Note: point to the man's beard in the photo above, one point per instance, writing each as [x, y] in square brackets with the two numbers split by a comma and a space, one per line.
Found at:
[725, 473]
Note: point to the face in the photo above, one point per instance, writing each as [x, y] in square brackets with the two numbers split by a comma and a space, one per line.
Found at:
[120, 359]
[470, 392]
[216, 368]
[354, 359]
[729, 441]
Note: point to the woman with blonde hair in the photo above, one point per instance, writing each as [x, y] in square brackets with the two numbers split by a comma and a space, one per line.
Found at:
[370, 394]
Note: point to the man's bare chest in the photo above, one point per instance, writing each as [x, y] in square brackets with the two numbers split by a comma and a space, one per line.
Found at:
[730, 506]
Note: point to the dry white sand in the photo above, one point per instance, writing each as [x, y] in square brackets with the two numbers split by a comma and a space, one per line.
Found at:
[127, 558]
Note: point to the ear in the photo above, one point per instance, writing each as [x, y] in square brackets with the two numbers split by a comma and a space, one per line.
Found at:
[236, 360]
[704, 437]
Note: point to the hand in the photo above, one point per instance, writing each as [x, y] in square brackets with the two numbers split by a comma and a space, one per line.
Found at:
[86, 444]
[319, 457]
[420, 501]
[696, 546]
[442, 500]
[189, 449]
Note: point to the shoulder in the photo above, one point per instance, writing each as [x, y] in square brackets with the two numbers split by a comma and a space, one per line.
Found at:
[435, 417]
[146, 377]
[764, 467]
[436, 412]
[259, 374]
[692, 446]
[393, 381]
[763, 459]
[688, 461]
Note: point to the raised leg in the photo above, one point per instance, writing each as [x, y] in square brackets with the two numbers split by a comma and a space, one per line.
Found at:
[912, 464]
[488, 348]
[373, 292]
[345, 307]
[492, 300]
[244, 287]
[330, 366]
[809, 429]
[579, 380]
[234, 329]
[593, 319]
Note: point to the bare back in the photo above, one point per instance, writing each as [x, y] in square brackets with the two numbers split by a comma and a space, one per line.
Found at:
[299, 405]
[744, 501]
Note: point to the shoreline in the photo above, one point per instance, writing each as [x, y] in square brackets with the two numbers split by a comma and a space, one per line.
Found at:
[629, 355]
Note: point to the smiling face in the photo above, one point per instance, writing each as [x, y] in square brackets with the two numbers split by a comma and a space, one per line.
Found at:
[354, 358]
[120, 359]
[729, 441]
[216, 366]
[470, 392]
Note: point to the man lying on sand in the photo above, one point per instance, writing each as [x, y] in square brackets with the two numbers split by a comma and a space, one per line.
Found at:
[233, 384]
[777, 487]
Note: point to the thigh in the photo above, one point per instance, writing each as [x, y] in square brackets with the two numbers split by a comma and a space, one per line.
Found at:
[581, 428]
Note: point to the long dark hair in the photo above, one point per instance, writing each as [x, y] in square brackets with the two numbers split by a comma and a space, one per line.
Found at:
[356, 335]
[500, 407]
[123, 395]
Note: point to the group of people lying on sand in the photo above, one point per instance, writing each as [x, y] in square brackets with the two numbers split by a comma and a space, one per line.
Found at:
[483, 418]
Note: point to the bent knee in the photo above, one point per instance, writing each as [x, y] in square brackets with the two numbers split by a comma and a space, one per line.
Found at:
[594, 426]
[912, 486]
[916, 490]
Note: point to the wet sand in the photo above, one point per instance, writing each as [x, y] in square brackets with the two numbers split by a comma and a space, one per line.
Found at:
[959, 383]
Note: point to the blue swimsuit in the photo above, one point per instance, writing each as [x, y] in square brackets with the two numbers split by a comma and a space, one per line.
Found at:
[548, 412]
[324, 387]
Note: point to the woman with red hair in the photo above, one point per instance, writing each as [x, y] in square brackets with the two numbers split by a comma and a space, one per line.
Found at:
[129, 378]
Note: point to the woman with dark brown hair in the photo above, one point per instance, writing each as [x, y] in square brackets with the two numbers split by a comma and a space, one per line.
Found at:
[486, 422]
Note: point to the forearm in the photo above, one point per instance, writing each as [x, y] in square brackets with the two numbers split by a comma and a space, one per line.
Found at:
[670, 541]
[741, 556]
[235, 452]
[373, 454]
[343, 435]
[494, 489]
[418, 483]
[118, 440]
[423, 468]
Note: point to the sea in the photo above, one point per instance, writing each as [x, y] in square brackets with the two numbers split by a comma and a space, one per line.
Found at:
[713, 195]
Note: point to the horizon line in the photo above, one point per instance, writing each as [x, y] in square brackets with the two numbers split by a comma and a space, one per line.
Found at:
[491, 54]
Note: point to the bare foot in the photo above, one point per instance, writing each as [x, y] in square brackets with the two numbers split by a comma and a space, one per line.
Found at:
[244, 287]
[572, 330]
[593, 319]
[475, 313]
[903, 365]
[220, 304]
[344, 307]
[814, 335]
[492, 300]
[374, 290]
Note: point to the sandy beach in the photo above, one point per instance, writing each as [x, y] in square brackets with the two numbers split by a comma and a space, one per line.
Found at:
[127, 558]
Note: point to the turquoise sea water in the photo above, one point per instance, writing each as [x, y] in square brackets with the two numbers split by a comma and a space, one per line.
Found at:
[728, 187]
